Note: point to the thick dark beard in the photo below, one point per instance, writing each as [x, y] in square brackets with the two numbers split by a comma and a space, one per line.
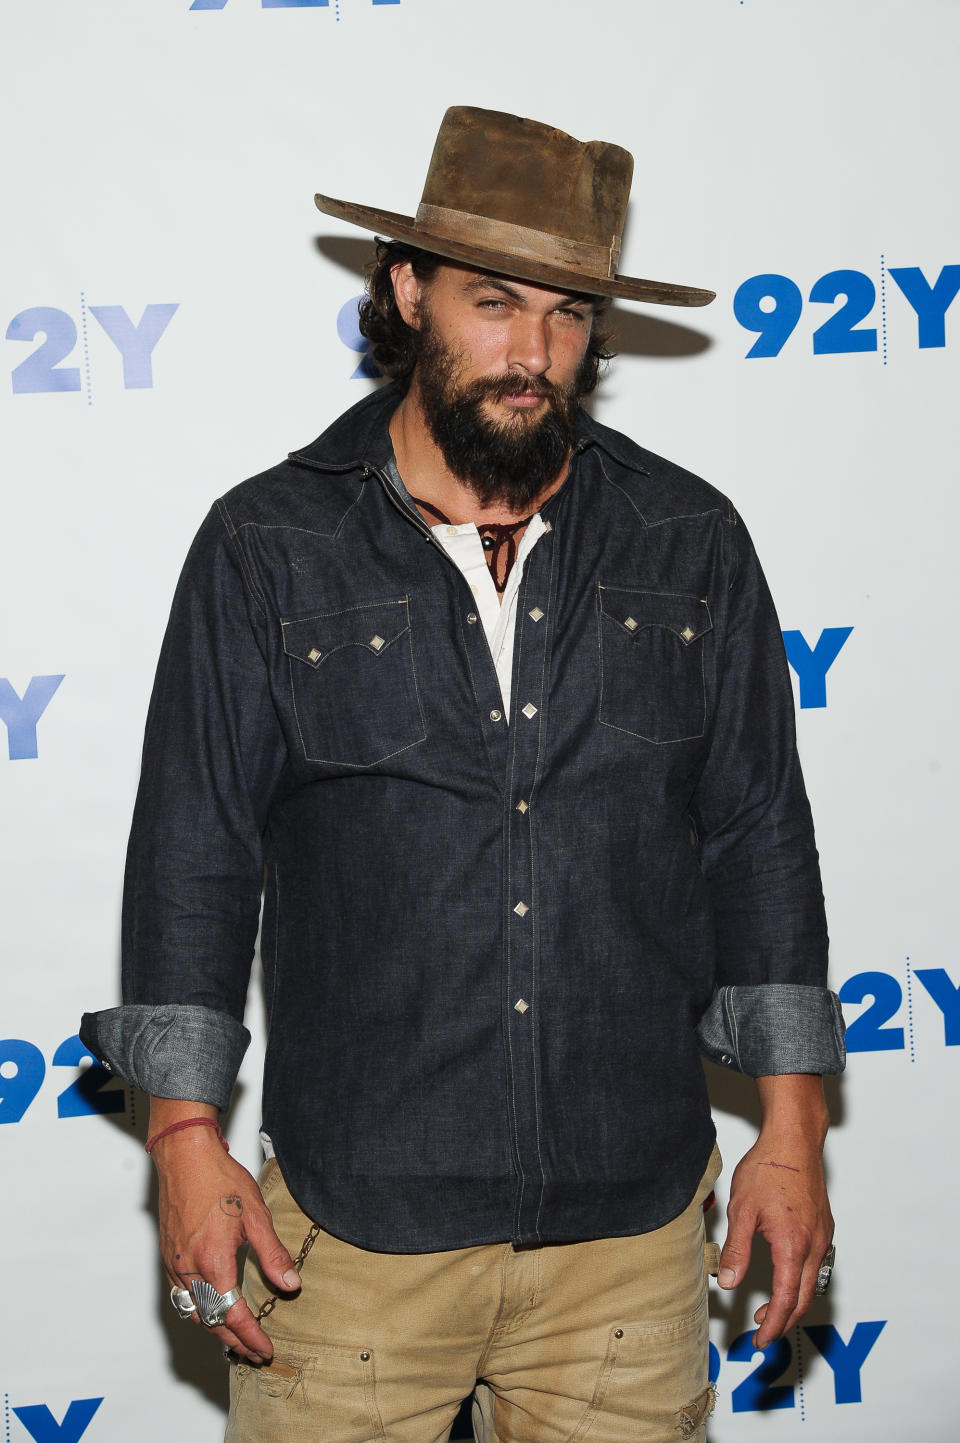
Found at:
[510, 461]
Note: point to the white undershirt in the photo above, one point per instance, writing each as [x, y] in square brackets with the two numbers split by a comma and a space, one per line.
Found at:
[499, 616]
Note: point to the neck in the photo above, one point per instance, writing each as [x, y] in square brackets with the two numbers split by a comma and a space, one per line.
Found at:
[426, 474]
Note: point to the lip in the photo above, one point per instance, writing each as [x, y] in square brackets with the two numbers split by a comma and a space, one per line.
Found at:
[524, 401]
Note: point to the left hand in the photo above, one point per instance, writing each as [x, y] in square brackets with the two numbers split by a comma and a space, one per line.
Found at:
[779, 1191]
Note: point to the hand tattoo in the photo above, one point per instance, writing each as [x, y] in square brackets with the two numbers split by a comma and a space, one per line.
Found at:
[232, 1205]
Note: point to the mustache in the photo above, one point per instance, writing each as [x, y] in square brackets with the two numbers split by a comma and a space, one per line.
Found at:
[494, 388]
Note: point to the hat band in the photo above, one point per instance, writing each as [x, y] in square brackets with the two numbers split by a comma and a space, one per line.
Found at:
[520, 241]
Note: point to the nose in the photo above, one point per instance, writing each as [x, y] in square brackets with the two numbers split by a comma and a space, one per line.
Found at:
[530, 345]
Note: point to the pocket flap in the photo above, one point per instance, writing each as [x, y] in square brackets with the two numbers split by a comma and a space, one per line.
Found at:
[688, 617]
[376, 627]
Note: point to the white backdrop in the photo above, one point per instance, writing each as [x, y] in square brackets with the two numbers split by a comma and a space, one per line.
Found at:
[170, 299]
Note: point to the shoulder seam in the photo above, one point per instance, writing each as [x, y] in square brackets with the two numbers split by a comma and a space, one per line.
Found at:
[245, 568]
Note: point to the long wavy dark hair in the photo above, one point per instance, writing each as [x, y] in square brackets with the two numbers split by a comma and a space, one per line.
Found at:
[394, 345]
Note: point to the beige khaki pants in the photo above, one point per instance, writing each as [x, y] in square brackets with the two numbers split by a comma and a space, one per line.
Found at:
[606, 1340]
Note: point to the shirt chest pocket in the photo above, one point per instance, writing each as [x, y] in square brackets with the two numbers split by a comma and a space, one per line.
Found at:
[652, 663]
[354, 686]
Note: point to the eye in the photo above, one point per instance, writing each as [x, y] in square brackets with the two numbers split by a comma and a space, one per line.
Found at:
[492, 303]
[579, 318]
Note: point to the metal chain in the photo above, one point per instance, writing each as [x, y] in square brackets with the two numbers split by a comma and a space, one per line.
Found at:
[267, 1308]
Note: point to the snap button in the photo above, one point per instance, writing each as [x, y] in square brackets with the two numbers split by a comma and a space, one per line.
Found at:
[472, 618]
[521, 909]
[521, 1006]
[529, 711]
[496, 715]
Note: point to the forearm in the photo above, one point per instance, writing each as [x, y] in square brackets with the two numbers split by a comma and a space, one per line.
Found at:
[794, 1111]
[167, 1111]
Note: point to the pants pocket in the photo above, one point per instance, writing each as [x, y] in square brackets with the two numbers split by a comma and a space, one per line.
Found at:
[327, 1394]
[652, 1383]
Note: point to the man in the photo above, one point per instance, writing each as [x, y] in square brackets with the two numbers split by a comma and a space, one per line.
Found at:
[491, 705]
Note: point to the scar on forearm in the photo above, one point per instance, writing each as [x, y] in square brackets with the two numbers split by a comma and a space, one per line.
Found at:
[232, 1205]
[780, 1164]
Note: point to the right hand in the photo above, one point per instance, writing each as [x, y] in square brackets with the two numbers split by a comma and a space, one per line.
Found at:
[209, 1207]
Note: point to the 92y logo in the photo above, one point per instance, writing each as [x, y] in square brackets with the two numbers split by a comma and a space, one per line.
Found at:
[43, 1427]
[20, 714]
[772, 305]
[43, 369]
[762, 1390]
[871, 1030]
[23, 1068]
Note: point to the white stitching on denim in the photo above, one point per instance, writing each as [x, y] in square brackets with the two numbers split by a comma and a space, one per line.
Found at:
[276, 937]
[407, 631]
[306, 530]
[535, 933]
[732, 1028]
[322, 657]
[627, 731]
[663, 520]
[495, 771]
[245, 566]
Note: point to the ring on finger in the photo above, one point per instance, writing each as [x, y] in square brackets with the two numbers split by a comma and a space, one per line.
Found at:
[212, 1307]
[183, 1302]
[825, 1271]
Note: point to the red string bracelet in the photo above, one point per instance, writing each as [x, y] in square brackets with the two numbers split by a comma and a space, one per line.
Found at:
[179, 1126]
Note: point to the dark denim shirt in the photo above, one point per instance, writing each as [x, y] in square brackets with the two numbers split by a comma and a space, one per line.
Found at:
[487, 946]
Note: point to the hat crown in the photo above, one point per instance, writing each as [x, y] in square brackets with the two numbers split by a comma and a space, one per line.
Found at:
[518, 198]
[522, 173]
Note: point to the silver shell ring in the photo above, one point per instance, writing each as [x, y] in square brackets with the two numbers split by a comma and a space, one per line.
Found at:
[182, 1301]
[825, 1271]
[212, 1307]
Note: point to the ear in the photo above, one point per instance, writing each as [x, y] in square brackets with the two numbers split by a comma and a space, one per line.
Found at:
[407, 290]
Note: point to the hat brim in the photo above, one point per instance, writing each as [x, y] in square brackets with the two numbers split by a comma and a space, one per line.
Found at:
[405, 228]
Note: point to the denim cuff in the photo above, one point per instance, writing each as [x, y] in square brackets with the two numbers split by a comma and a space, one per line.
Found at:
[172, 1050]
[780, 1027]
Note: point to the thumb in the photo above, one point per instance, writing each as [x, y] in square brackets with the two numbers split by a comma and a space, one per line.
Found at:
[275, 1262]
[735, 1256]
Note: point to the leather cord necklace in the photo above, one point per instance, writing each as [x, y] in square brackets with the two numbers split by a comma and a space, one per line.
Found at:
[498, 539]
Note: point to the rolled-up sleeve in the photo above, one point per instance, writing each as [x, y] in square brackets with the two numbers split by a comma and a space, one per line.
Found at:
[772, 1011]
[213, 753]
[763, 1031]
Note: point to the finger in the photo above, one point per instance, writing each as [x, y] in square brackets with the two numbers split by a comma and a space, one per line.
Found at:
[241, 1333]
[796, 1285]
[776, 1316]
[807, 1290]
[243, 1327]
[276, 1264]
[735, 1254]
[233, 1340]
[240, 1330]
[229, 1338]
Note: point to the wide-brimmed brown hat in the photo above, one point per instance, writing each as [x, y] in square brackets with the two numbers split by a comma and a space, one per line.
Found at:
[510, 195]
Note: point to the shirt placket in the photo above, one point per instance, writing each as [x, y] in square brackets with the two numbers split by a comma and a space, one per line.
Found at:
[534, 626]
